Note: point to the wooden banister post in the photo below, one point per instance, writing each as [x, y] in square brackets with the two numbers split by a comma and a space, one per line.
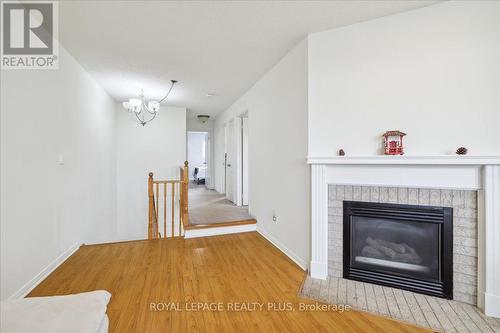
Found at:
[186, 171]
[151, 206]
[184, 193]
[186, 181]
[186, 186]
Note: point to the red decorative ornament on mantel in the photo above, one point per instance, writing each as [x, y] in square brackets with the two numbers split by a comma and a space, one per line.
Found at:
[393, 142]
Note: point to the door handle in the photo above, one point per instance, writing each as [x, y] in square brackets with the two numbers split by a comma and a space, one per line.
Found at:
[229, 165]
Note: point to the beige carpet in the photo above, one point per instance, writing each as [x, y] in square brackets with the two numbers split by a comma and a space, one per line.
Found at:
[425, 311]
[208, 207]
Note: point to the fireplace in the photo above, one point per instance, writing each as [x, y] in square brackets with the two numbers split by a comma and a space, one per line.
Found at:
[402, 246]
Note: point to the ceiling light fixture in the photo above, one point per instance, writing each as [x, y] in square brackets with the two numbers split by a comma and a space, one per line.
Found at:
[203, 118]
[146, 111]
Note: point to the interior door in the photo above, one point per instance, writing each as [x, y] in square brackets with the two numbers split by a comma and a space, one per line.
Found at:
[230, 152]
[224, 160]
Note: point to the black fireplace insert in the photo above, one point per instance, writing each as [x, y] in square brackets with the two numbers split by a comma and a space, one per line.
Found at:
[402, 246]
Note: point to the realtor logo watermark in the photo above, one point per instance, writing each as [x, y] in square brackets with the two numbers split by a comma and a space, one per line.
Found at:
[29, 35]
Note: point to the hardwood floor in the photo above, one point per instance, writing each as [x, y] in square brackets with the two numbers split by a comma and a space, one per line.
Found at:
[231, 268]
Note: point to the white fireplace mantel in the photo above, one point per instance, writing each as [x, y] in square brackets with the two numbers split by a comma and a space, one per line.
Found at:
[481, 173]
[406, 160]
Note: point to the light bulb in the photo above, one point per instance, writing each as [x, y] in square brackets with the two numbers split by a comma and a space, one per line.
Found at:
[154, 106]
[135, 105]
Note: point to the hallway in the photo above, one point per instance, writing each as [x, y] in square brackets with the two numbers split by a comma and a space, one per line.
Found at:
[210, 207]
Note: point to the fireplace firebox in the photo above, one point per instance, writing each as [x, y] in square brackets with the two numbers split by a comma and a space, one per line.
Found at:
[402, 246]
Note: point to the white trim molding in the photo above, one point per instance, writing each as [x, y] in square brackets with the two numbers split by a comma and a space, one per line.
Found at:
[480, 173]
[405, 159]
[417, 176]
[216, 231]
[35, 281]
[319, 228]
[290, 254]
[491, 244]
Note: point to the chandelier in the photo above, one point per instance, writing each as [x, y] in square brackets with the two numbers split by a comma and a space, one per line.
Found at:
[146, 111]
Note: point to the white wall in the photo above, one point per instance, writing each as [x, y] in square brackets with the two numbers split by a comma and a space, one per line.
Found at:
[158, 147]
[48, 208]
[433, 73]
[278, 173]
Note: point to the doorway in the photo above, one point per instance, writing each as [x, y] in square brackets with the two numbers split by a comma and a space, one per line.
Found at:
[236, 160]
[198, 157]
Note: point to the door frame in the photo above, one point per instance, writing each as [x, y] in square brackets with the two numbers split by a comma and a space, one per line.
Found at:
[239, 157]
[245, 163]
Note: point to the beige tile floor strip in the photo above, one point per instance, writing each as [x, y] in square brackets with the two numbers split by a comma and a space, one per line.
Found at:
[426, 311]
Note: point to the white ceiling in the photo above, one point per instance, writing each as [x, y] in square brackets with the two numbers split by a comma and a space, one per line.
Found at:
[217, 47]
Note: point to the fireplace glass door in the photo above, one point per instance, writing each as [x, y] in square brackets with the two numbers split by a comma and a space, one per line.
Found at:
[403, 246]
[398, 247]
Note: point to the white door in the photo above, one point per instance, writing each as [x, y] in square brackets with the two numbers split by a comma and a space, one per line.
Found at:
[244, 164]
[223, 142]
[230, 152]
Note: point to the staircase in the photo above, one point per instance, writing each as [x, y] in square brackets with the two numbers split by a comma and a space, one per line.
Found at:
[168, 205]
[168, 213]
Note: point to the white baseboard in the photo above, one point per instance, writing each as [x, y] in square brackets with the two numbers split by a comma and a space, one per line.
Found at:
[290, 254]
[35, 281]
[215, 231]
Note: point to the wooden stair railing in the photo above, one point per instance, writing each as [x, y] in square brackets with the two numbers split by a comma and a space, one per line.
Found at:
[184, 172]
[160, 188]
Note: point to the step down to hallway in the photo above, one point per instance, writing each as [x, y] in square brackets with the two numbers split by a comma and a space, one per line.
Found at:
[223, 228]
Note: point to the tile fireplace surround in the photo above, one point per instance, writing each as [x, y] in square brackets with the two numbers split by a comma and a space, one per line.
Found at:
[475, 182]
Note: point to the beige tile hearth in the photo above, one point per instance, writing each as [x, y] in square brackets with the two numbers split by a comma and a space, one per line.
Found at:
[426, 311]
